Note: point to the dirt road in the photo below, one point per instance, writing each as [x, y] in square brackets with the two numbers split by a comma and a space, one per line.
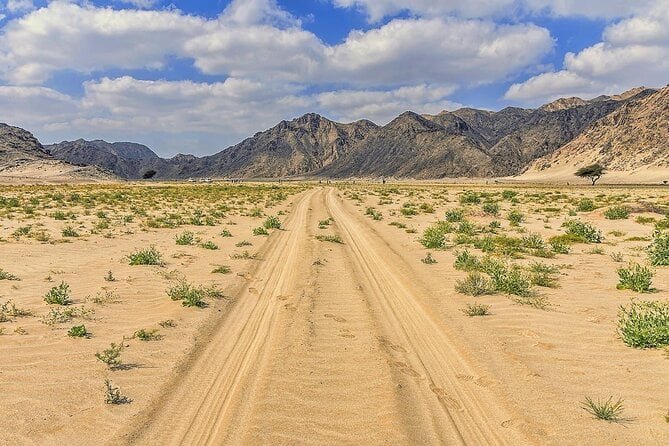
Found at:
[329, 344]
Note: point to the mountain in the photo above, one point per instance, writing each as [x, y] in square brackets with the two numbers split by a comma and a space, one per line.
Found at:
[22, 157]
[463, 143]
[633, 137]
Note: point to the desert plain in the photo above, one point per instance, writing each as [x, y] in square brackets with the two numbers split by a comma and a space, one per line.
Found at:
[333, 313]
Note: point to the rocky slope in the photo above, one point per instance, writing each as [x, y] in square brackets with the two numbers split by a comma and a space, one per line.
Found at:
[633, 137]
[18, 145]
[462, 143]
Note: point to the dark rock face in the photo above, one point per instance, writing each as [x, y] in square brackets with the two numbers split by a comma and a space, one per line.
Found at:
[17, 144]
[463, 143]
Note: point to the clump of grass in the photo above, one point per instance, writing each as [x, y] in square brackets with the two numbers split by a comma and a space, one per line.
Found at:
[188, 294]
[58, 295]
[147, 256]
[617, 213]
[330, 238]
[209, 245]
[636, 277]
[509, 194]
[226, 233]
[221, 269]
[466, 261]
[9, 310]
[185, 238]
[476, 309]
[607, 410]
[78, 331]
[658, 251]
[4, 275]
[475, 284]
[147, 335]
[511, 280]
[428, 259]
[111, 356]
[469, 197]
[586, 205]
[454, 215]
[584, 230]
[534, 301]
[434, 237]
[69, 231]
[272, 222]
[491, 208]
[644, 324]
[113, 394]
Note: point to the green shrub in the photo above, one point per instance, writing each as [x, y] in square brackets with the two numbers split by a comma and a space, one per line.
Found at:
[111, 356]
[584, 230]
[434, 237]
[58, 295]
[78, 331]
[113, 394]
[69, 231]
[209, 245]
[617, 213]
[147, 335]
[226, 233]
[147, 256]
[222, 269]
[330, 238]
[260, 231]
[509, 194]
[658, 251]
[491, 208]
[466, 261]
[454, 215]
[476, 309]
[188, 294]
[272, 222]
[4, 275]
[469, 197]
[586, 205]
[515, 217]
[636, 278]
[644, 324]
[185, 238]
[475, 284]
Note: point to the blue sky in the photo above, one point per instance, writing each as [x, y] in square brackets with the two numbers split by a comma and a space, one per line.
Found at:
[194, 77]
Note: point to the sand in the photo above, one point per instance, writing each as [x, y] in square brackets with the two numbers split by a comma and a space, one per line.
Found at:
[328, 343]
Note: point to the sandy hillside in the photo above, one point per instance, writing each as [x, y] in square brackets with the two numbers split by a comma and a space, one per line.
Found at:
[329, 330]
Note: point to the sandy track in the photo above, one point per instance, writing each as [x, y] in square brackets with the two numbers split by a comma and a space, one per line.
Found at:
[469, 413]
[333, 352]
[195, 408]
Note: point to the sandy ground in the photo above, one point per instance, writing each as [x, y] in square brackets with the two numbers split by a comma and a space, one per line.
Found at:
[326, 343]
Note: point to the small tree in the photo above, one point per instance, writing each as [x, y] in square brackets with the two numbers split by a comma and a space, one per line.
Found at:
[594, 172]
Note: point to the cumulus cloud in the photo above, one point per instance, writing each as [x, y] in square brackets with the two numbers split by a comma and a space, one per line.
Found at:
[20, 5]
[633, 52]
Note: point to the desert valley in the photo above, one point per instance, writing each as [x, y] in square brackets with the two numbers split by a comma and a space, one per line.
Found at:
[337, 222]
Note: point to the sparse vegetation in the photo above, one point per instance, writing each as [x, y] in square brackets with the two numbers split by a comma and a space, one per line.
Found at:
[113, 394]
[147, 256]
[58, 295]
[607, 410]
[636, 277]
[644, 324]
[476, 309]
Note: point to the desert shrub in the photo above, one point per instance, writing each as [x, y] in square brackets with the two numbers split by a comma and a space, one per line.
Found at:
[221, 269]
[475, 284]
[617, 257]
[243, 243]
[658, 251]
[584, 230]
[4, 275]
[509, 194]
[168, 323]
[491, 208]
[209, 245]
[607, 410]
[644, 220]
[426, 208]
[58, 295]
[226, 233]
[434, 237]
[466, 261]
[533, 241]
[515, 217]
[188, 294]
[617, 213]
[330, 238]
[428, 259]
[111, 356]
[454, 215]
[185, 238]
[60, 315]
[147, 256]
[636, 278]
[476, 309]
[147, 335]
[644, 324]
[260, 231]
[509, 279]
[113, 394]
[78, 331]
[69, 231]
[272, 222]
[586, 205]
[466, 228]
[409, 209]
[469, 197]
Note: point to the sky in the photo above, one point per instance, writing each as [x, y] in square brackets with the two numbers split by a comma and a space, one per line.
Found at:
[198, 76]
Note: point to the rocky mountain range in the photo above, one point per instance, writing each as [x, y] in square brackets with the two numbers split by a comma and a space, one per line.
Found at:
[463, 143]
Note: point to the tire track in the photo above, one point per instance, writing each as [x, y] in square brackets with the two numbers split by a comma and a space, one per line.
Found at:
[469, 414]
[198, 406]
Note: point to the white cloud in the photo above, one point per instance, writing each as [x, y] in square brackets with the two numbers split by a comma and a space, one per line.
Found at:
[20, 5]
[143, 4]
[378, 9]
[633, 52]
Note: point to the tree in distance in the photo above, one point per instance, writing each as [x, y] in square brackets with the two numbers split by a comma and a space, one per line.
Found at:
[594, 172]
